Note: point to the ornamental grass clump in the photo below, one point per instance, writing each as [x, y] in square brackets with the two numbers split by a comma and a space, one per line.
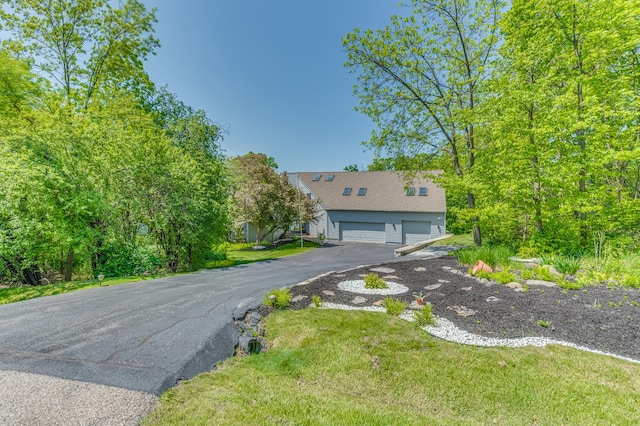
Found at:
[277, 298]
[373, 281]
[394, 306]
[424, 316]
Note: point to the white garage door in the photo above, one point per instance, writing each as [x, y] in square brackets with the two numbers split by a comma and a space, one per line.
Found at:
[414, 231]
[361, 231]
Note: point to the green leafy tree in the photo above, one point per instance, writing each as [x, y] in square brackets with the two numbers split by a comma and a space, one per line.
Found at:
[421, 79]
[264, 198]
[83, 46]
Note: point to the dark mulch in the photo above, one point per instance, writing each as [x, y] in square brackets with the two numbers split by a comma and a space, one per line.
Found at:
[596, 317]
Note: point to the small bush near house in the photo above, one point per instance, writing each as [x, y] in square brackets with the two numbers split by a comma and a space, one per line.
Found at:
[374, 281]
[503, 277]
[277, 298]
[394, 306]
[317, 301]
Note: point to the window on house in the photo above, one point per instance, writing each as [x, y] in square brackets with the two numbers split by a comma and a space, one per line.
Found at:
[329, 178]
[362, 191]
[347, 191]
[422, 191]
[411, 191]
[317, 178]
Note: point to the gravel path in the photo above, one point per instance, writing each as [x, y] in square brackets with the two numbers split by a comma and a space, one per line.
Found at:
[597, 317]
[31, 399]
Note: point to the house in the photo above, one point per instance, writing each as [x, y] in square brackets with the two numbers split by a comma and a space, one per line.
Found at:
[374, 206]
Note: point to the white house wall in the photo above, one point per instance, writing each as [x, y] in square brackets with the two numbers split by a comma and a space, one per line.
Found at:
[392, 221]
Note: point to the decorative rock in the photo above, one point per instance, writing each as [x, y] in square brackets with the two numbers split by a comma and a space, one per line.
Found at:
[339, 275]
[443, 281]
[298, 298]
[328, 293]
[514, 285]
[554, 271]
[432, 287]
[467, 288]
[391, 277]
[463, 311]
[258, 248]
[358, 286]
[358, 300]
[383, 270]
[492, 299]
[483, 281]
[415, 305]
[481, 266]
[378, 303]
[541, 283]
[446, 268]
[420, 269]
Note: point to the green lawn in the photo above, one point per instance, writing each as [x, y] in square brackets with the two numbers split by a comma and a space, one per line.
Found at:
[456, 240]
[237, 255]
[328, 367]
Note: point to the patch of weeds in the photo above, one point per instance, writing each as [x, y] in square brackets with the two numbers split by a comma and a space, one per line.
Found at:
[544, 274]
[492, 256]
[317, 301]
[612, 305]
[545, 324]
[503, 277]
[620, 303]
[394, 306]
[373, 281]
[424, 316]
[483, 274]
[525, 288]
[568, 285]
[527, 274]
[277, 298]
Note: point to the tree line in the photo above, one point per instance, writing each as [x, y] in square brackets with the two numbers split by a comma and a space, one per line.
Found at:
[101, 172]
[530, 107]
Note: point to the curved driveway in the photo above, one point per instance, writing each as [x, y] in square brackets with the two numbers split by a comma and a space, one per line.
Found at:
[147, 335]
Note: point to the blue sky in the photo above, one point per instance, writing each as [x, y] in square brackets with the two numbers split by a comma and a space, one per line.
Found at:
[271, 73]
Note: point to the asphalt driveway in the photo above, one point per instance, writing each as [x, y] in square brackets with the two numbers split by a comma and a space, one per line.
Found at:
[146, 336]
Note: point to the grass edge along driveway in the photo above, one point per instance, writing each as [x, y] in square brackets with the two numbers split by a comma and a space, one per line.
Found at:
[234, 257]
[354, 367]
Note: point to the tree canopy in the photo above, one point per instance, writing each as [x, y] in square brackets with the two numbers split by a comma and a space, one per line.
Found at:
[533, 105]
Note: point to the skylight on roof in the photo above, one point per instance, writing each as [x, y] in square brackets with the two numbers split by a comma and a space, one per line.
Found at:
[317, 178]
[362, 191]
[329, 177]
[411, 191]
[422, 191]
[347, 191]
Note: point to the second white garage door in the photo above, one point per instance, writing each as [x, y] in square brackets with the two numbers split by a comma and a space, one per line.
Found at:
[414, 231]
[362, 231]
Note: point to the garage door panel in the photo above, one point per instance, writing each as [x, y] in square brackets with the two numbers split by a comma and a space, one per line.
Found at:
[415, 231]
[362, 231]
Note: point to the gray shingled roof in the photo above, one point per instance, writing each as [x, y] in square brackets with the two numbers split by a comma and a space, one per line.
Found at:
[385, 192]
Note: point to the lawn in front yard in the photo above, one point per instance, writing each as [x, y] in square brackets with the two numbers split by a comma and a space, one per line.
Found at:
[242, 253]
[355, 368]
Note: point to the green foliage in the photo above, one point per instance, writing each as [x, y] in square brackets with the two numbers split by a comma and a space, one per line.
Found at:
[491, 255]
[566, 264]
[118, 260]
[277, 298]
[373, 281]
[544, 274]
[545, 324]
[317, 301]
[423, 316]
[503, 277]
[394, 306]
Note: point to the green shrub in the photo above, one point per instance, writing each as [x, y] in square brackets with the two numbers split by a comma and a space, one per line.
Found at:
[569, 285]
[527, 274]
[394, 306]
[119, 260]
[372, 281]
[544, 274]
[317, 301]
[483, 274]
[218, 252]
[565, 264]
[278, 298]
[491, 255]
[424, 316]
[503, 277]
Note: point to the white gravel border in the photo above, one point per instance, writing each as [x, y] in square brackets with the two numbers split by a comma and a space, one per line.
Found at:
[446, 330]
[358, 286]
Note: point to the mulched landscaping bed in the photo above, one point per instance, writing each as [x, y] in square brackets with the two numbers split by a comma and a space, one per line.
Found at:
[598, 317]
